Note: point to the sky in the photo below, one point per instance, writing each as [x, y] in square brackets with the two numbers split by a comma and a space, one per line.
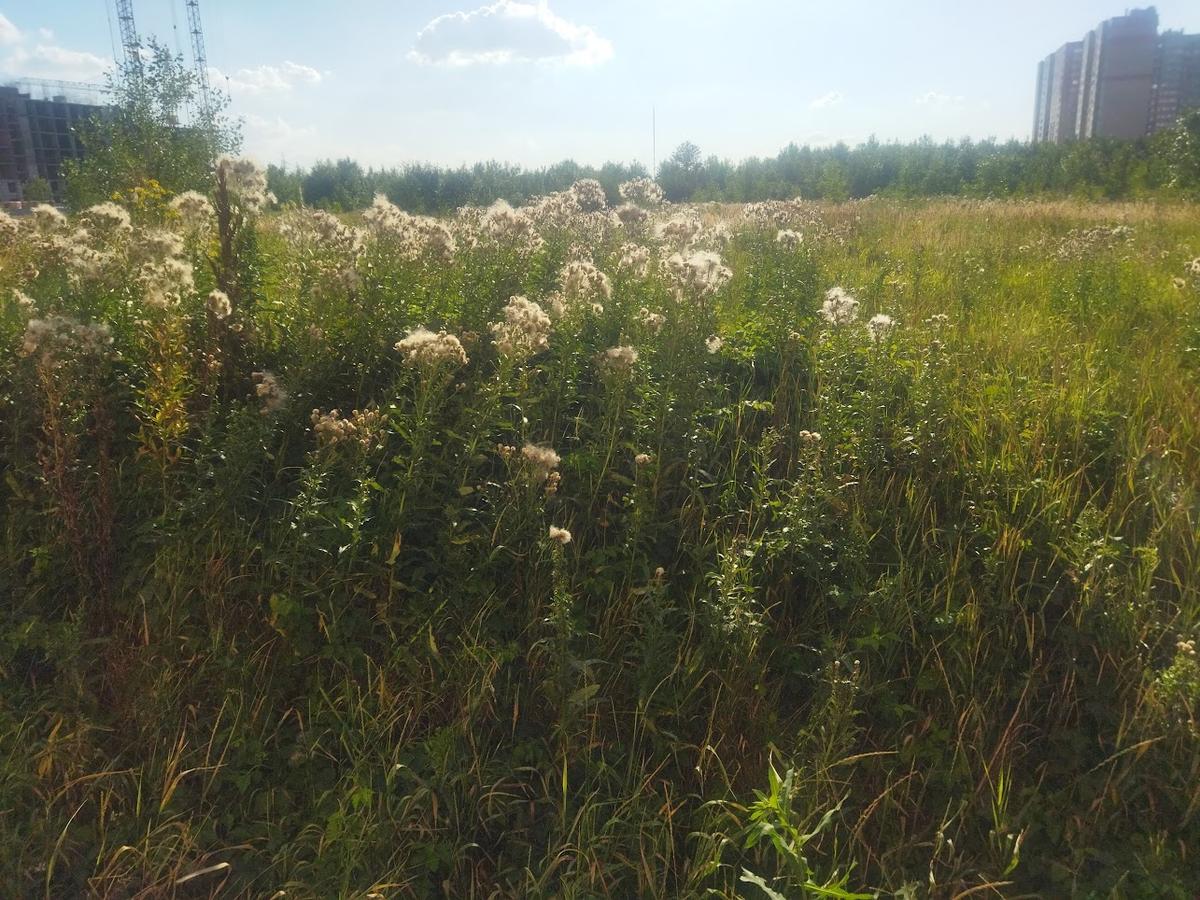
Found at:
[535, 81]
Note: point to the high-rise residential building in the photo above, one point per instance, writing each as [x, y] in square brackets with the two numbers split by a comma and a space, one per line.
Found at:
[1058, 94]
[1041, 99]
[1123, 80]
[1118, 76]
[37, 134]
[1176, 78]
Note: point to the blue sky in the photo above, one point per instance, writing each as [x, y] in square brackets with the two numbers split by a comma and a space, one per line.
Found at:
[533, 82]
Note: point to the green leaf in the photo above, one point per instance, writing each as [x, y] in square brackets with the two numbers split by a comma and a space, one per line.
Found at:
[583, 695]
[750, 878]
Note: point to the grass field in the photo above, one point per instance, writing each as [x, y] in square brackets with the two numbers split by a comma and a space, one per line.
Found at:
[792, 550]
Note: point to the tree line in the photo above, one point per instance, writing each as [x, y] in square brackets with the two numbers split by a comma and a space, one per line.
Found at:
[1163, 165]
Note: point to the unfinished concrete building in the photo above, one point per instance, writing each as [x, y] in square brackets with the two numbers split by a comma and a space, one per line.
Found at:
[38, 132]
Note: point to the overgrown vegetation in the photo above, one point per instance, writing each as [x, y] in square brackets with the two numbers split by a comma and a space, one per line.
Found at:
[793, 550]
[160, 135]
[1166, 165]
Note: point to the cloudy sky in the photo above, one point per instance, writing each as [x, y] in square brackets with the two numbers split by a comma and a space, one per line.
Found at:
[535, 81]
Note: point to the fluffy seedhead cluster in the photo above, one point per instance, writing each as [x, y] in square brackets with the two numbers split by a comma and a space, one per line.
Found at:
[540, 465]
[810, 220]
[45, 217]
[218, 305]
[652, 321]
[680, 230]
[789, 239]
[558, 210]
[589, 195]
[509, 227]
[772, 213]
[165, 275]
[109, 216]
[582, 283]
[618, 360]
[698, 274]
[631, 215]
[839, 307]
[1080, 243]
[361, 429]
[87, 250]
[9, 227]
[880, 326]
[634, 260]
[56, 338]
[524, 331]
[246, 180]
[410, 237]
[427, 350]
[642, 192]
[272, 397]
[330, 232]
[194, 209]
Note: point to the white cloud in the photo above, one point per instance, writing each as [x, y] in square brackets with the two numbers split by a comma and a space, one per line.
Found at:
[273, 138]
[827, 101]
[55, 62]
[508, 31]
[938, 99]
[25, 58]
[9, 33]
[267, 79]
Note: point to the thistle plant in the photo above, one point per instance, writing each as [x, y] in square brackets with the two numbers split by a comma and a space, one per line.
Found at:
[595, 545]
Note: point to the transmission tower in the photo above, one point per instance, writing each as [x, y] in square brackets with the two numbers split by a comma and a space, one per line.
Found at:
[129, 38]
[198, 56]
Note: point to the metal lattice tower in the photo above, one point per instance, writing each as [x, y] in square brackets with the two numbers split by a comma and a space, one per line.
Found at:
[129, 38]
[198, 56]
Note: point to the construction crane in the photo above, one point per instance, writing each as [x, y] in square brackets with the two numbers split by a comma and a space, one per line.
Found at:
[132, 47]
[129, 38]
[199, 59]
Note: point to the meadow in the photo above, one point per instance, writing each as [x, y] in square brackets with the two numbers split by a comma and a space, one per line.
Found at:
[602, 547]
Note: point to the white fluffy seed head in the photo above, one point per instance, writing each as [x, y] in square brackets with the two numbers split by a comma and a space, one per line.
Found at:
[423, 349]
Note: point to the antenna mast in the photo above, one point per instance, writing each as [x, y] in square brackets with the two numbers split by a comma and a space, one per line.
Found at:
[199, 58]
[129, 38]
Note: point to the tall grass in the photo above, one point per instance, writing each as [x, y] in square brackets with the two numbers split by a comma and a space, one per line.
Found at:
[838, 615]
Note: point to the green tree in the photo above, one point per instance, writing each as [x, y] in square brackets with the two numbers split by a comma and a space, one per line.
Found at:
[340, 185]
[681, 174]
[143, 139]
[37, 191]
[1185, 155]
[285, 185]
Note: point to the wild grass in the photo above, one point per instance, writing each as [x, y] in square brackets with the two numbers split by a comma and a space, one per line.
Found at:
[838, 616]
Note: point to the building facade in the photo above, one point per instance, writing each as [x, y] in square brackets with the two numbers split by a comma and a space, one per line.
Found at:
[1057, 101]
[1123, 80]
[1176, 78]
[1118, 76]
[38, 135]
